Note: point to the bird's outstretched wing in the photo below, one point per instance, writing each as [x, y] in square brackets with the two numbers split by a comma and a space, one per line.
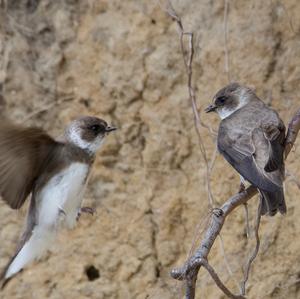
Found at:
[23, 154]
[250, 155]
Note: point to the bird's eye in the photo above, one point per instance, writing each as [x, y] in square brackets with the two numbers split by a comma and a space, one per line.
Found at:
[97, 128]
[221, 100]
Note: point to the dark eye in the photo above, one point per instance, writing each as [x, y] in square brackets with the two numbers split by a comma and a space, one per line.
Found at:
[97, 129]
[221, 100]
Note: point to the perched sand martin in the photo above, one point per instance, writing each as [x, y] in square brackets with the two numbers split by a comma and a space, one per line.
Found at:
[54, 172]
[251, 138]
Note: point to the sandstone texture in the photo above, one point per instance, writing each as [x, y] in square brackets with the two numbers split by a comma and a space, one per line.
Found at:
[121, 60]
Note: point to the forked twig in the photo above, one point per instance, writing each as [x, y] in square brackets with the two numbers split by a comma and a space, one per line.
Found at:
[189, 271]
[188, 61]
[218, 281]
[191, 268]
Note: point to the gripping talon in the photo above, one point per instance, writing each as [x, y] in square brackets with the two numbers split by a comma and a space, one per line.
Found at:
[242, 187]
[218, 212]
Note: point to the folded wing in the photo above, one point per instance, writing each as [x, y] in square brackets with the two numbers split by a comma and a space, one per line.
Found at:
[249, 155]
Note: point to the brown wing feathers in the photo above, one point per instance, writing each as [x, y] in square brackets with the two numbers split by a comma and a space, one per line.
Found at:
[276, 137]
[243, 161]
[23, 151]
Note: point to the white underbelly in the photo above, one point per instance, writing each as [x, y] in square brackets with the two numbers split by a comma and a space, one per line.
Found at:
[60, 200]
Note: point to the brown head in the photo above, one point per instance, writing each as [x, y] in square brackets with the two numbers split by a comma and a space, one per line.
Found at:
[229, 99]
[88, 132]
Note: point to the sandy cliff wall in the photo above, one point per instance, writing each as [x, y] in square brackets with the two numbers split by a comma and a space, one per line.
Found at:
[121, 60]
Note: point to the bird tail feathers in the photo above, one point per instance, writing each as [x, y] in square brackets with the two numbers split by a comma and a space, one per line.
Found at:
[272, 202]
[32, 249]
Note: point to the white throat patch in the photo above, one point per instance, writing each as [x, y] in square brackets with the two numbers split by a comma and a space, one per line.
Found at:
[75, 137]
[225, 112]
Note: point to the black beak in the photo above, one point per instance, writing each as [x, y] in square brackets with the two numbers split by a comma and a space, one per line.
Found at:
[110, 129]
[210, 108]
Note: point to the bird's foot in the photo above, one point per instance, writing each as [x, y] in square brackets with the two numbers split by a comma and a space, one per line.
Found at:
[242, 187]
[61, 211]
[218, 212]
[87, 210]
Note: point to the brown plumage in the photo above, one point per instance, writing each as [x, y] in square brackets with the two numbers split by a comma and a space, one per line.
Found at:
[251, 138]
[33, 162]
[23, 153]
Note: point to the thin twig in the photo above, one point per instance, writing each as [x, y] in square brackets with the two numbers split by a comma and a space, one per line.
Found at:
[200, 228]
[218, 281]
[188, 62]
[190, 270]
[211, 131]
[226, 51]
[213, 159]
[247, 220]
[228, 267]
[256, 249]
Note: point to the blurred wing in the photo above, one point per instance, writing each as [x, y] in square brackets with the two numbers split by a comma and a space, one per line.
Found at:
[23, 153]
[239, 153]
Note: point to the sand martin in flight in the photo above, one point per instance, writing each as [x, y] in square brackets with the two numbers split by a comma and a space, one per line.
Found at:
[251, 138]
[54, 172]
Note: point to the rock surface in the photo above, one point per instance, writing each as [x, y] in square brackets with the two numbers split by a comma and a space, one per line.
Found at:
[121, 60]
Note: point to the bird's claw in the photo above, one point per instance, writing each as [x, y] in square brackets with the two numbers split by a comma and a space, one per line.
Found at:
[242, 187]
[218, 212]
[61, 211]
[87, 210]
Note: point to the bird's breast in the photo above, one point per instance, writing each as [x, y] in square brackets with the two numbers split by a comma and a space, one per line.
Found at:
[62, 195]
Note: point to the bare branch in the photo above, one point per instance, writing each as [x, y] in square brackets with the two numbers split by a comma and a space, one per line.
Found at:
[218, 282]
[191, 268]
[255, 252]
